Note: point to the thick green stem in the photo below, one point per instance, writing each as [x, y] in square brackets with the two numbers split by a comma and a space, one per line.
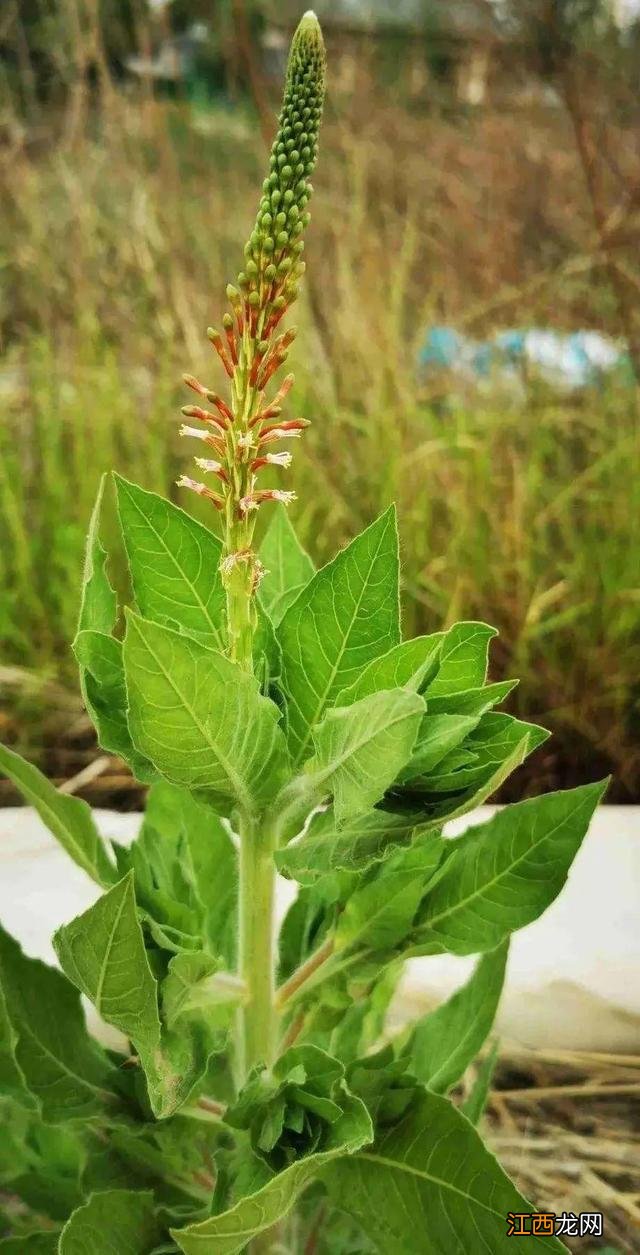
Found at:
[257, 886]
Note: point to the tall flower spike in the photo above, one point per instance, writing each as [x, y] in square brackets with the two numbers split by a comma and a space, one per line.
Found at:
[249, 348]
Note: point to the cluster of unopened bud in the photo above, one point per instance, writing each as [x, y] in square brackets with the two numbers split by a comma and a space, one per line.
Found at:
[273, 264]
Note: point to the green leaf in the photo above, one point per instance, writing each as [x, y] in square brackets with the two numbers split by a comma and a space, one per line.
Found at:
[66, 1071]
[290, 1111]
[354, 846]
[185, 861]
[428, 1183]
[476, 701]
[503, 874]
[463, 659]
[201, 719]
[445, 1042]
[68, 818]
[12, 1082]
[195, 983]
[230, 1231]
[174, 563]
[461, 782]
[114, 1221]
[360, 749]
[380, 914]
[99, 654]
[98, 607]
[105, 697]
[39, 1242]
[438, 735]
[287, 567]
[346, 615]
[474, 1105]
[102, 952]
[407, 665]
[489, 744]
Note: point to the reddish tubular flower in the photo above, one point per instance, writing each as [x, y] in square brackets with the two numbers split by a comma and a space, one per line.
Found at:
[194, 384]
[212, 468]
[255, 499]
[216, 340]
[221, 406]
[271, 459]
[197, 433]
[227, 323]
[201, 489]
[292, 427]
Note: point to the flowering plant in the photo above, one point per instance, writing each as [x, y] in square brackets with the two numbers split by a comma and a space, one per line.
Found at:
[257, 1099]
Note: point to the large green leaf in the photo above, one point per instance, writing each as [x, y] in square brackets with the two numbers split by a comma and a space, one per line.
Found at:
[113, 1222]
[234, 1228]
[445, 1042]
[360, 749]
[429, 1185]
[503, 874]
[463, 659]
[105, 697]
[200, 718]
[102, 952]
[346, 615]
[407, 665]
[68, 818]
[65, 1070]
[353, 846]
[174, 563]
[380, 914]
[287, 566]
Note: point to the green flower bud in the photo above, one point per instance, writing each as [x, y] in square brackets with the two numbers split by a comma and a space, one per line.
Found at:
[227, 322]
[253, 299]
[292, 156]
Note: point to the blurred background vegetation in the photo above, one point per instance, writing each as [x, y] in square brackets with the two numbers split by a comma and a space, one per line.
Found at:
[480, 170]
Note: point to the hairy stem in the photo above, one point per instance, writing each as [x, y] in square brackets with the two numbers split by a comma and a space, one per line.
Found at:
[258, 1014]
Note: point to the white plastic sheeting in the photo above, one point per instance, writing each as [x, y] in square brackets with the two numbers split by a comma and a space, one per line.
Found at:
[573, 979]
